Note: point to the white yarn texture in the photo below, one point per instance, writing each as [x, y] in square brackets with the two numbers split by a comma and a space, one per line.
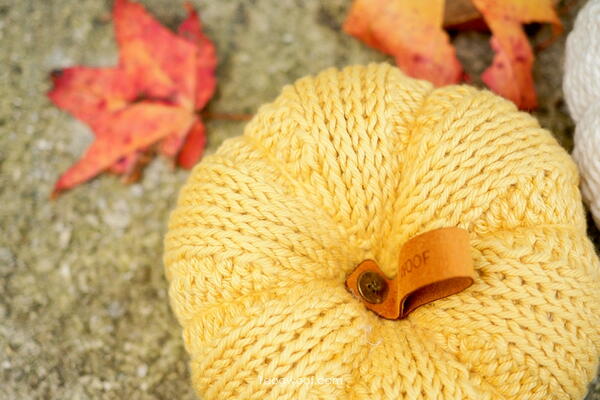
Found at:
[582, 91]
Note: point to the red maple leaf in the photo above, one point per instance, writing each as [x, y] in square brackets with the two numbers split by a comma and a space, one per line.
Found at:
[151, 97]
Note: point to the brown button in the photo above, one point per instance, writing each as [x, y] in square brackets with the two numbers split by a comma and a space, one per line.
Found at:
[372, 287]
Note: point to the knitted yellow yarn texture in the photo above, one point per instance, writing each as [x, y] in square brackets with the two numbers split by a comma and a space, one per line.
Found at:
[347, 166]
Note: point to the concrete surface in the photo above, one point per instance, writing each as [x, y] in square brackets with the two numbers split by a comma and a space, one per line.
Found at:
[83, 301]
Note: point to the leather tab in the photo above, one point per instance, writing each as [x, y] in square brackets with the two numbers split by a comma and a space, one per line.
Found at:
[433, 265]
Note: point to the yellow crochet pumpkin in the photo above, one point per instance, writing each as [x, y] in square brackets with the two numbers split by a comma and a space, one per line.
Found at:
[347, 166]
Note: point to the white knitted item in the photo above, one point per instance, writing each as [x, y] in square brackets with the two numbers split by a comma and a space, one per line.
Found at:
[582, 91]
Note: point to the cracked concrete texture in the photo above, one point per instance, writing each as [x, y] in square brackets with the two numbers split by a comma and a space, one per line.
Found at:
[83, 300]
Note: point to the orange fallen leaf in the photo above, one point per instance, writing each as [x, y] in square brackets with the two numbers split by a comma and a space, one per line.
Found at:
[462, 14]
[412, 32]
[151, 97]
[510, 72]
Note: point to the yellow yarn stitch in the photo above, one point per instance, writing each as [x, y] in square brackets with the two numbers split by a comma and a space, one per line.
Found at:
[346, 166]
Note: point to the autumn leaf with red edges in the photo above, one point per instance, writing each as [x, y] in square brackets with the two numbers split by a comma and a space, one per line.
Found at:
[412, 31]
[150, 100]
